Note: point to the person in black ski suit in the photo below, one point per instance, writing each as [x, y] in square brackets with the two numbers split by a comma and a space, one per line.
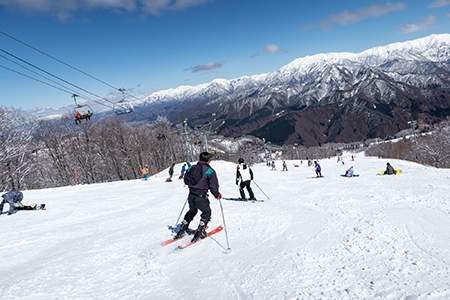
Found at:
[200, 178]
[285, 166]
[244, 175]
[389, 170]
[318, 169]
[170, 172]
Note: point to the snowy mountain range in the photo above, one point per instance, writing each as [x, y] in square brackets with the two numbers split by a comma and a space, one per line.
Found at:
[332, 97]
[302, 72]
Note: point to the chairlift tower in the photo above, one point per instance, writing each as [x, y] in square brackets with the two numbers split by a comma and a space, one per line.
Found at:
[413, 125]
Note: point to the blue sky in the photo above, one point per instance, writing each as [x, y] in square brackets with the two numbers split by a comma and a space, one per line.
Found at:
[147, 45]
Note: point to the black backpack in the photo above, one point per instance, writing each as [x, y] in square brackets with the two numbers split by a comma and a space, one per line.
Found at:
[193, 175]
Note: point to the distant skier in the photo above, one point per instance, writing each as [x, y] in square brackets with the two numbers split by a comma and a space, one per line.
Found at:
[184, 168]
[244, 176]
[389, 170]
[284, 166]
[273, 165]
[353, 158]
[170, 172]
[14, 199]
[200, 178]
[318, 169]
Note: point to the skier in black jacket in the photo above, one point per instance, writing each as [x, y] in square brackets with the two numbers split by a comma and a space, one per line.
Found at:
[200, 178]
[244, 175]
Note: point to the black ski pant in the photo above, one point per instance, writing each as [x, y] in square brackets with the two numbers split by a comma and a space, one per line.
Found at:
[246, 184]
[196, 203]
[318, 173]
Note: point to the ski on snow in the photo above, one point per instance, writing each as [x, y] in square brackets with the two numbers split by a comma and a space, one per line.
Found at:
[190, 232]
[173, 240]
[239, 199]
[209, 233]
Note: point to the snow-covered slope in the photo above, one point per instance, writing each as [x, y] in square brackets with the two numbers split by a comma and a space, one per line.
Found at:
[371, 237]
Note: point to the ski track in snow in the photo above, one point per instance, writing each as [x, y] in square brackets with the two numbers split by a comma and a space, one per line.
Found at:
[369, 237]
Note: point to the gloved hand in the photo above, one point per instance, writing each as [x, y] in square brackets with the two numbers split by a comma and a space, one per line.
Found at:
[237, 182]
[219, 196]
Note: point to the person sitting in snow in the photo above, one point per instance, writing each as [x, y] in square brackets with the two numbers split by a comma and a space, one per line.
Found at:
[318, 169]
[14, 200]
[349, 172]
[244, 175]
[389, 170]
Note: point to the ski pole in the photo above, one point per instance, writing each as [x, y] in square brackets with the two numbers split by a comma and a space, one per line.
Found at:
[224, 225]
[176, 223]
[261, 190]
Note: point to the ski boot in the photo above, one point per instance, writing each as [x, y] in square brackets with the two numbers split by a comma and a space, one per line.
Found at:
[183, 228]
[200, 233]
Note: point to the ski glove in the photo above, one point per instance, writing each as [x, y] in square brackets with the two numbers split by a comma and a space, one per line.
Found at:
[218, 196]
[237, 182]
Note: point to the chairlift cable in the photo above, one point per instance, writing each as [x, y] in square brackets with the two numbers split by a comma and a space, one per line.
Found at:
[48, 84]
[63, 62]
[54, 76]
[35, 79]
[40, 75]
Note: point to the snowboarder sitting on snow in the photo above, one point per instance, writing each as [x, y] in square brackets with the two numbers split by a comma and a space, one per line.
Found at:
[349, 172]
[244, 175]
[14, 199]
[200, 178]
[318, 169]
[389, 170]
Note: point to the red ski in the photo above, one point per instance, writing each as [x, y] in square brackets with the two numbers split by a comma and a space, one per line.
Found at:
[173, 240]
[169, 241]
[210, 233]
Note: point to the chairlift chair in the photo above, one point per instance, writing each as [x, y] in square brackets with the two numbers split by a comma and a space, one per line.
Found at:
[122, 107]
[81, 111]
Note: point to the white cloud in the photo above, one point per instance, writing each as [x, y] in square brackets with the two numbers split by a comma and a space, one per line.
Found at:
[419, 26]
[204, 67]
[273, 49]
[348, 17]
[440, 3]
[64, 9]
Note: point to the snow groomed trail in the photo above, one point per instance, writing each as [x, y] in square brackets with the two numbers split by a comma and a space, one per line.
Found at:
[370, 237]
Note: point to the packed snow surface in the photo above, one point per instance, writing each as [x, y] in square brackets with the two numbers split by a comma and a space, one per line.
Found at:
[371, 237]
